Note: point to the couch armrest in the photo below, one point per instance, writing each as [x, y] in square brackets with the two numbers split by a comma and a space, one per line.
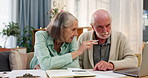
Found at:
[30, 56]
[139, 59]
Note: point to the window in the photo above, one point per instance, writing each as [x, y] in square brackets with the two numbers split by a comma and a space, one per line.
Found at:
[145, 26]
[85, 8]
[4, 17]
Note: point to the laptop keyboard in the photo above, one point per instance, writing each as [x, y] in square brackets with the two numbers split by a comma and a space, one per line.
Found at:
[133, 72]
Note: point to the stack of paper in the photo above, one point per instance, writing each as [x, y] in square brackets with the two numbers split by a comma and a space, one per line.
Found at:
[70, 73]
[18, 73]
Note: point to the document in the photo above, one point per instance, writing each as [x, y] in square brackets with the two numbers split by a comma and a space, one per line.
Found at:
[20, 73]
[4, 74]
[69, 73]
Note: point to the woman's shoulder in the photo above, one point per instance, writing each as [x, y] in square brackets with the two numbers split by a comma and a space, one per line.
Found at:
[43, 35]
[41, 32]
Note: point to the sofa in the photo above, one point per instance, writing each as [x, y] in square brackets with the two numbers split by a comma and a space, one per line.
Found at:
[14, 60]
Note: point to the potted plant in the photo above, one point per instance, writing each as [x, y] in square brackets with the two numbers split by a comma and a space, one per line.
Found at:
[12, 29]
[53, 12]
[25, 40]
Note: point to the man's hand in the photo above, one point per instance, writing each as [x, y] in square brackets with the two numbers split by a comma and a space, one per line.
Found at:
[103, 66]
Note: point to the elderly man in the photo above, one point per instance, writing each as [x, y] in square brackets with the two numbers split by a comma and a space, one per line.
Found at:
[112, 51]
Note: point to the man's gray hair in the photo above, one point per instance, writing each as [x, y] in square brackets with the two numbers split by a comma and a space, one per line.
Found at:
[97, 13]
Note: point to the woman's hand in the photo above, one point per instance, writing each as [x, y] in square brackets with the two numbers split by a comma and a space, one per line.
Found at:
[37, 67]
[84, 46]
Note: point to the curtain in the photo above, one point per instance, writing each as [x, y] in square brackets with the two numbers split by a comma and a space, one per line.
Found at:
[126, 17]
[33, 13]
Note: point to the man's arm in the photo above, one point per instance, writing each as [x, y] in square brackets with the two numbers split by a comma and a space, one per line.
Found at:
[125, 57]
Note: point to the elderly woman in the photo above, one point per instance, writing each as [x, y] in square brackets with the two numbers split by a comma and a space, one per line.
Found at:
[56, 48]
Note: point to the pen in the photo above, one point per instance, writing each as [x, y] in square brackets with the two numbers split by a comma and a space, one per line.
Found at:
[95, 41]
[78, 71]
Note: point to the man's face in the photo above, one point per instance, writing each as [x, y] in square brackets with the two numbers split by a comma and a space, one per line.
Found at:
[102, 27]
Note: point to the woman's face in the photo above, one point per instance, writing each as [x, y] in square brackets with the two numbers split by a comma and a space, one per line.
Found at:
[70, 32]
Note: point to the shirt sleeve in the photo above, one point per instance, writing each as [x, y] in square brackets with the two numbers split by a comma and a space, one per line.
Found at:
[45, 59]
[73, 64]
[127, 58]
[73, 47]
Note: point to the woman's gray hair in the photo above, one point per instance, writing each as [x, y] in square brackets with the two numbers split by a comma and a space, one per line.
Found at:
[58, 23]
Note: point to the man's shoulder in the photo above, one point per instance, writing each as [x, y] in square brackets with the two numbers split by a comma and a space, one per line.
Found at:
[87, 33]
[117, 33]
[85, 36]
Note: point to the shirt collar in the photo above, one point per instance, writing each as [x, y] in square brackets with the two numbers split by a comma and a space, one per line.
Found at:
[108, 40]
[50, 42]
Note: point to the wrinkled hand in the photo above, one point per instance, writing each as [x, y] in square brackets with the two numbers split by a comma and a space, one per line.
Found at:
[37, 67]
[103, 66]
[86, 45]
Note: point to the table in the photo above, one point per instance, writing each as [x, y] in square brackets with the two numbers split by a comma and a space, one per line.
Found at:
[19, 49]
[99, 74]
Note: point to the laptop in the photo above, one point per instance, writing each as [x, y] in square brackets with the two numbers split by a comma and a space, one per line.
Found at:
[138, 72]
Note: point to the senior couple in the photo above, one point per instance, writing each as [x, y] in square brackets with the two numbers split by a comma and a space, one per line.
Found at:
[100, 49]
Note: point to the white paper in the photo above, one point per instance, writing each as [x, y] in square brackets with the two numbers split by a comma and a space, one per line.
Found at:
[59, 73]
[2, 75]
[16, 73]
[106, 74]
[69, 73]
[80, 72]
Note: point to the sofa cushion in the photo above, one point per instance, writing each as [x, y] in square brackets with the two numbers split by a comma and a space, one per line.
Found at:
[4, 61]
[18, 61]
[30, 56]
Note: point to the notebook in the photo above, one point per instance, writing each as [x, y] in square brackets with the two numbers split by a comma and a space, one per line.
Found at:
[69, 73]
[138, 72]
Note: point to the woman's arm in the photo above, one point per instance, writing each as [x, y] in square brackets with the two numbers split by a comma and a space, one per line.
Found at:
[46, 59]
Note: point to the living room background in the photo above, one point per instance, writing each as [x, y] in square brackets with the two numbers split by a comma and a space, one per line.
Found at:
[124, 19]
